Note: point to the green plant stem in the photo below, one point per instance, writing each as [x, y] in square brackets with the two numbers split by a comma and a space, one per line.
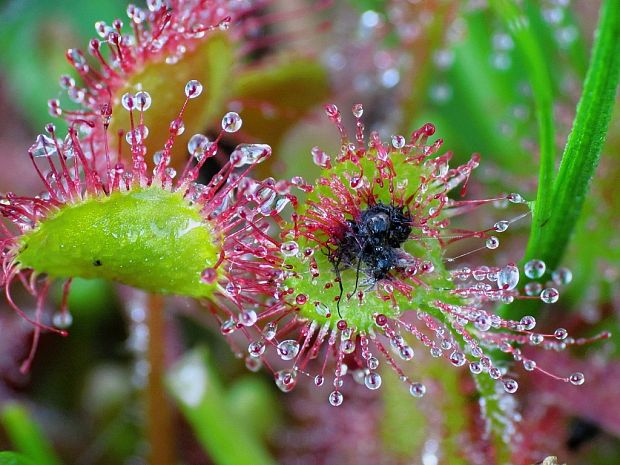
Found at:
[26, 436]
[585, 142]
[542, 90]
[159, 415]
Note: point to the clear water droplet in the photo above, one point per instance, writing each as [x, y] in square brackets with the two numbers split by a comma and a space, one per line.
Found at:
[336, 398]
[549, 295]
[249, 154]
[270, 331]
[534, 269]
[510, 385]
[533, 288]
[286, 380]
[128, 101]
[372, 380]
[256, 348]
[143, 101]
[198, 146]
[208, 275]
[288, 349]
[398, 142]
[62, 320]
[577, 378]
[231, 122]
[320, 158]
[562, 276]
[508, 277]
[515, 198]
[501, 226]
[560, 334]
[528, 322]
[248, 317]
[289, 248]
[417, 390]
[492, 243]
[193, 88]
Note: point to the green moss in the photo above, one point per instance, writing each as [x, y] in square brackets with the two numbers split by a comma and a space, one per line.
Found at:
[151, 239]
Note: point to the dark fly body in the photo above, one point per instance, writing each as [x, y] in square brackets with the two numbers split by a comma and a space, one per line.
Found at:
[370, 244]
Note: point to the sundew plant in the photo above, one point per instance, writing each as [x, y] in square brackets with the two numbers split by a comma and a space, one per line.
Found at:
[365, 232]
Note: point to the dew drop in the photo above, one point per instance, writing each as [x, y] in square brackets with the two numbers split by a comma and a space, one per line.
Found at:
[475, 368]
[533, 288]
[320, 158]
[177, 127]
[336, 398]
[228, 327]
[256, 348]
[457, 359]
[483, 323]
[288, 349]
[515, 198]
[536, 338]
[198, 145]
[373, 363]
[549, 295]
[193, 88]
[577, 378]
[417, 390]
[231, 122]
[508, 277]
[492, 243]
[406, 352]
[534, 269]
[398, 142]
[501, 226]
[208, 275]
[358, 110]
[286, 380]
[528, 322]
[270, 331]
[510, 385]
[562, 276]
[318, 380]
[372, 380]
[43, 147]
[289, 248]
[529, 365]
[128, 101]
[143, 100]
[560, 334]
[249, 154]
[347, 346]
[62, 320]
[248, 317]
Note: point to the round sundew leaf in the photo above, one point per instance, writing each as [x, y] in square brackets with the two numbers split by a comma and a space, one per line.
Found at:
[210, 63]
[323, 291]
[150, 239]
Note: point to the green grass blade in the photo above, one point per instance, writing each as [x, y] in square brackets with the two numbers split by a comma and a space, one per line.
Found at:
[585, 142]
[12, 458]
[198, 393]
[26, 436]
[542, 90]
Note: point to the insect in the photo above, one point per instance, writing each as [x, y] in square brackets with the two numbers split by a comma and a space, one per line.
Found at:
[372, 242]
